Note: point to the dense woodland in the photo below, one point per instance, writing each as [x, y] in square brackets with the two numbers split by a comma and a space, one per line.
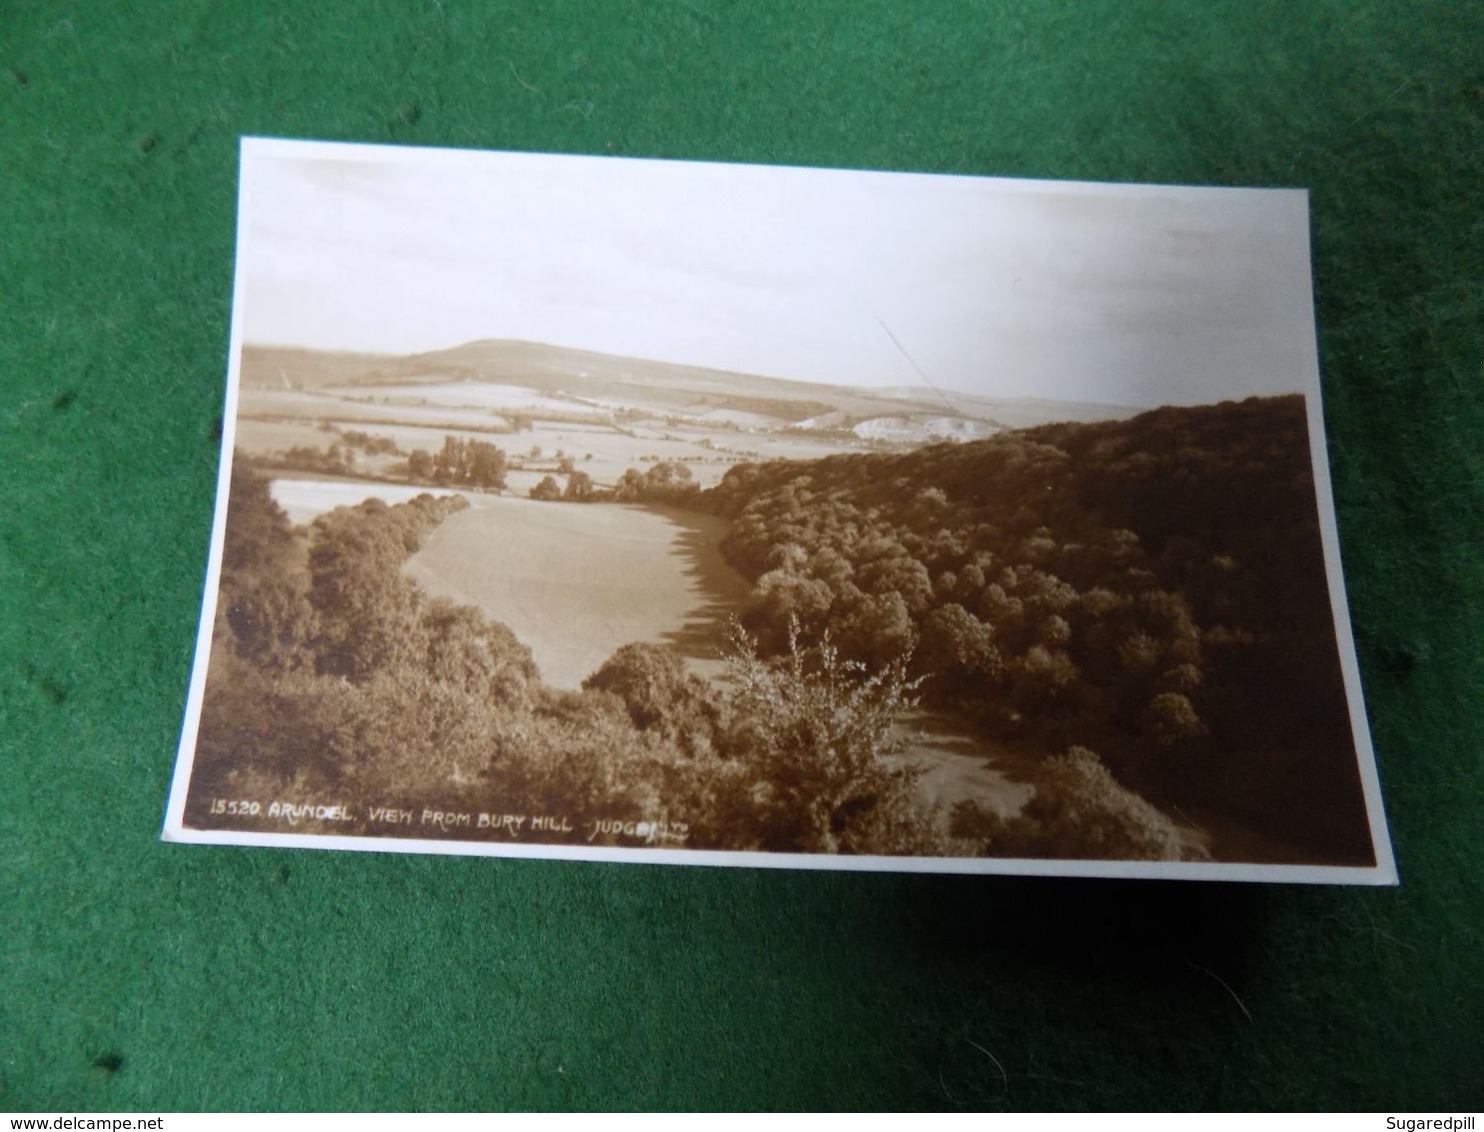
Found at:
[1152, 590]
[1140, 606]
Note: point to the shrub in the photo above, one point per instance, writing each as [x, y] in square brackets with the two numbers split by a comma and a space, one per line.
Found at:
[1171, 718]
[659, 694]
[1079, 811]
[816, 733]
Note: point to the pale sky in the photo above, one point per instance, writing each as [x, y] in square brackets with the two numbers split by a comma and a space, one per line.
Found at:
[1132, 295]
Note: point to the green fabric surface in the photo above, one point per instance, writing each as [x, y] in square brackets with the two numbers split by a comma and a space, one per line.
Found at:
[138, 975]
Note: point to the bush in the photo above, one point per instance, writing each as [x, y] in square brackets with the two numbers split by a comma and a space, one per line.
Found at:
[1171, 718]
[659, 694]
[1079, 811]
[816, 733]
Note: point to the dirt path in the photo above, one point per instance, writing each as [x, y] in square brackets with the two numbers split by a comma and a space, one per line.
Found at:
[960, 766]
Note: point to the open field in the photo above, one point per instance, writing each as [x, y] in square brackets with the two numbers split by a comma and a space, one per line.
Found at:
[460, 394]
[262, 436]
[577, 581]
[294, 404]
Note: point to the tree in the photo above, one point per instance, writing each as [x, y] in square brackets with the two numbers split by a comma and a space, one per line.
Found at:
[264, 585]
[1041, 676]
[1171, 718]
[630, 486]
[420, 464]
[817, 734]
[878, 630]
[666, 473]
[899, 574]
[487, 465]
[669, 481]
[782, 598]
[580, 487]
[482, 657]
[651, 680]
[449, 465]
[958, 650]
[367, 610]
[547, 489]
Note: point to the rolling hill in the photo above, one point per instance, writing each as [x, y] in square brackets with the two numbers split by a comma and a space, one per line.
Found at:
[614, 382]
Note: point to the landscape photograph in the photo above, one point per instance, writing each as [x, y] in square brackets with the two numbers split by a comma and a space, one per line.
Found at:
[723, 514]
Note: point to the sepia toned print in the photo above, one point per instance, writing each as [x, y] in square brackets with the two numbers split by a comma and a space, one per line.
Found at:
[649, 511]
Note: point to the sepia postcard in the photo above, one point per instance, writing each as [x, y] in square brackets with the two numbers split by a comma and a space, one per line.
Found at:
[685, 513]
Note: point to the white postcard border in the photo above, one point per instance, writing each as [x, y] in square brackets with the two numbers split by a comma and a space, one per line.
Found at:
[1383, 873]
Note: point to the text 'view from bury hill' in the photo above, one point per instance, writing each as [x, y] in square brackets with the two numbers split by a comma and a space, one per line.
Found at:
[792, 617]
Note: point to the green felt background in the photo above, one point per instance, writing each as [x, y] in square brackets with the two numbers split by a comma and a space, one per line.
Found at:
[138, 975]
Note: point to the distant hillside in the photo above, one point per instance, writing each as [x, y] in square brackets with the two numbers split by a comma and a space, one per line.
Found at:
[1018, 412]
[638, 381]
[285, 367]
[655, 386]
